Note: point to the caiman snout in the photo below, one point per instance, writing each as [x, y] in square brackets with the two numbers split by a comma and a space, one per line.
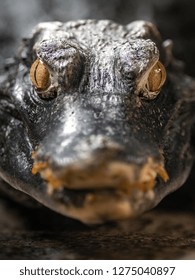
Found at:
[105, 176]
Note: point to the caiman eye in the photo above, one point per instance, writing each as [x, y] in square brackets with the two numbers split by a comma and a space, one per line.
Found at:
[156, 77]
[39, 75]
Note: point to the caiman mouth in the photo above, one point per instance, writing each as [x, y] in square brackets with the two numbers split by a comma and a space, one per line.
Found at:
[115, 175]
[113, 190]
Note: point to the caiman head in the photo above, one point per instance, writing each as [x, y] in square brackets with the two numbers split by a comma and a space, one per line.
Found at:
[97, 119]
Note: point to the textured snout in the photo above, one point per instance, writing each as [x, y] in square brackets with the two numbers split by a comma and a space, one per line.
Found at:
[98, 163]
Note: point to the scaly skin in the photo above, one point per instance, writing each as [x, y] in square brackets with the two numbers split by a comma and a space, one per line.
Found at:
[95, 144]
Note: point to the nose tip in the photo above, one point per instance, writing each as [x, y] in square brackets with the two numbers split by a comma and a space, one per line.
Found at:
[99, 149]
[95, 149]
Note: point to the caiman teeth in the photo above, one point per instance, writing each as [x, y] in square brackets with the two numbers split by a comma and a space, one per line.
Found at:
[161, 171]
[115, 175]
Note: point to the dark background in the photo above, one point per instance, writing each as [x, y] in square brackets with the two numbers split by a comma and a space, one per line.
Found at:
[166, 232]
[175, 19]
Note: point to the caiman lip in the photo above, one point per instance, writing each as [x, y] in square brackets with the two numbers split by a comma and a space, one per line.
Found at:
[115, 190]
[114, 175]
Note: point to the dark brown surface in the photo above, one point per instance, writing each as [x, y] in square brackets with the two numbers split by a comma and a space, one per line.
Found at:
[40, 234]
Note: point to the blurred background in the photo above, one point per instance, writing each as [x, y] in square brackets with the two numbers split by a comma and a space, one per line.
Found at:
[166, 232]
[174, 18]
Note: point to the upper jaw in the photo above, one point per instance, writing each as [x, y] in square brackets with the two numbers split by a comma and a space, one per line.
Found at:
[105, 175]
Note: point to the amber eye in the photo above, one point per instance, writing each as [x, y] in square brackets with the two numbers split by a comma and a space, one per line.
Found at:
[39, 75]
[156, 78]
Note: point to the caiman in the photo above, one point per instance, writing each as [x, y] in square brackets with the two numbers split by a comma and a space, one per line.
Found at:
[96, 119]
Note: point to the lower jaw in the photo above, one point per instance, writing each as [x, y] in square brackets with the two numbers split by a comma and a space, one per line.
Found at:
[95, 207]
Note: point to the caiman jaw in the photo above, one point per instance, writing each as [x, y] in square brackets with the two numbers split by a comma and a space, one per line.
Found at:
[115, 190]
[114, 175]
